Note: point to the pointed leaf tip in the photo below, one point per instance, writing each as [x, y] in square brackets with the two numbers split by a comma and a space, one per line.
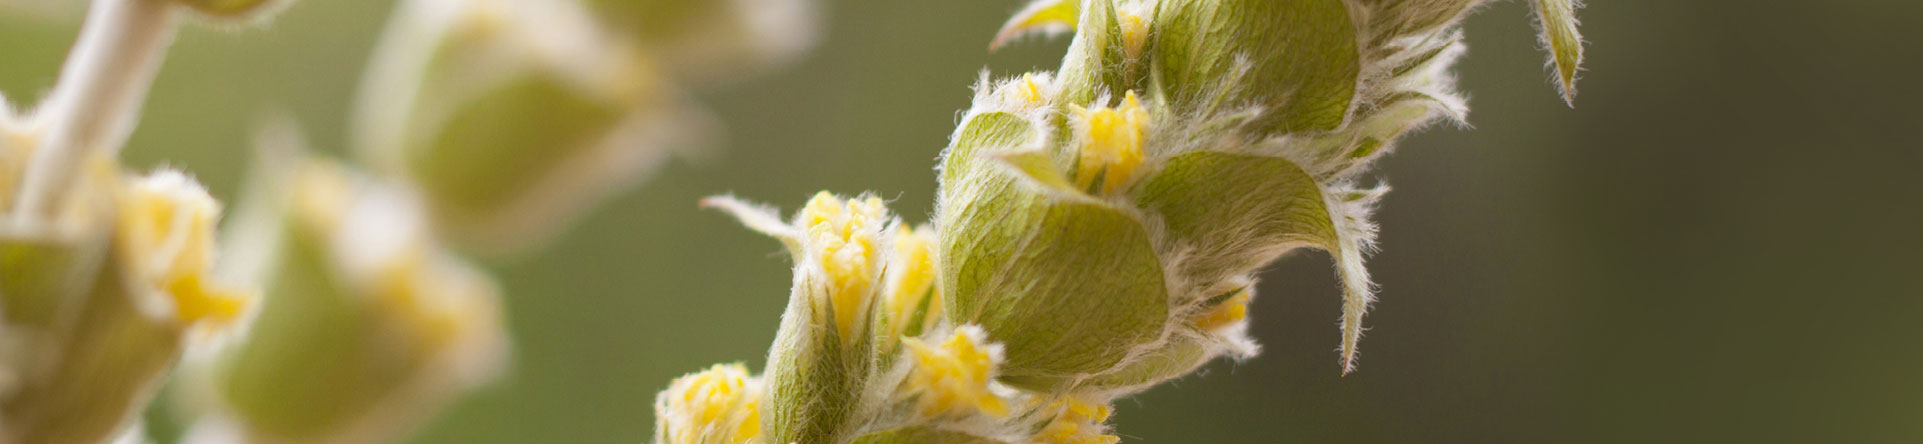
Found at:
[1559, 34]
[1047, 16]
[762, 219]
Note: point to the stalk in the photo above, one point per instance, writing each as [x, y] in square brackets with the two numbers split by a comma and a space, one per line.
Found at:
[97, 101]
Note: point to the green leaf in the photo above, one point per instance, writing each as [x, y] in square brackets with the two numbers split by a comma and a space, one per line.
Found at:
[1097, 62]
[1297, 59]
[1236, 212]
[1183, 353]
[1068, 286]
[1398, 18]
[1564, 42]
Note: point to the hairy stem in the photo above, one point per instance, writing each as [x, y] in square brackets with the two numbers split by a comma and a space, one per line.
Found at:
[98, 98]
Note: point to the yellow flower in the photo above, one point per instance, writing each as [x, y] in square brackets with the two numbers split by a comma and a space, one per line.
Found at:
[166, 233]
[841, 236]
[717, 406]
[1111, 143]
[1077, 422]
[912, 276]
[953, 378]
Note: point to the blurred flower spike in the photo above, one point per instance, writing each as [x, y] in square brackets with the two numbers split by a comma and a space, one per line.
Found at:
[368, 326]
[514, 116]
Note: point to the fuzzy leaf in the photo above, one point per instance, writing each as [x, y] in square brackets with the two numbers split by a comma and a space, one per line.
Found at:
[1044, 16]
[1069, 287]
[1236, 212]
[1184, 352]
[1097, 62]
[1297, 59]
[1397, 18]
[814, 376]
[1564, 42]
[1040, 171]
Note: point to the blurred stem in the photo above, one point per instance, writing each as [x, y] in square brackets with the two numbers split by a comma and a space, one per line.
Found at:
[97, 100]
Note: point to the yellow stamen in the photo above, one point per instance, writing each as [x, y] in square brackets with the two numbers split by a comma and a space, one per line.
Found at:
[1112, 143]
[953, 378]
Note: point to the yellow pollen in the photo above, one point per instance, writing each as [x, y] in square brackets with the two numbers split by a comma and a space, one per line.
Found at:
[715, 406]
[1079, 422]
[913, 271]
[842, 237]
[1229, 312]
[953, 378]
[1112, 143]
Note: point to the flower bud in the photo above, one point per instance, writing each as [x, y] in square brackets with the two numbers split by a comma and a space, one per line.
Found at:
[953, 377]
[911, 304]
[512, 116]
[824, 352]
[720, 405]
[99, 303]
[368, 326]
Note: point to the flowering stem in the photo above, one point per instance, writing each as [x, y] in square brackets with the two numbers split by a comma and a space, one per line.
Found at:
[98, 98]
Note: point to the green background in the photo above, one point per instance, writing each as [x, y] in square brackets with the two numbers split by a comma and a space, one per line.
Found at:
[1721, 242]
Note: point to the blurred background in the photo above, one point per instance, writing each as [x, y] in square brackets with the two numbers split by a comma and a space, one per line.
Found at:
[1723, 241]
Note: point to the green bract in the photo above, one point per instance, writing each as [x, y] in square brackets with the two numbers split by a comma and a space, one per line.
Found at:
[92, 358]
